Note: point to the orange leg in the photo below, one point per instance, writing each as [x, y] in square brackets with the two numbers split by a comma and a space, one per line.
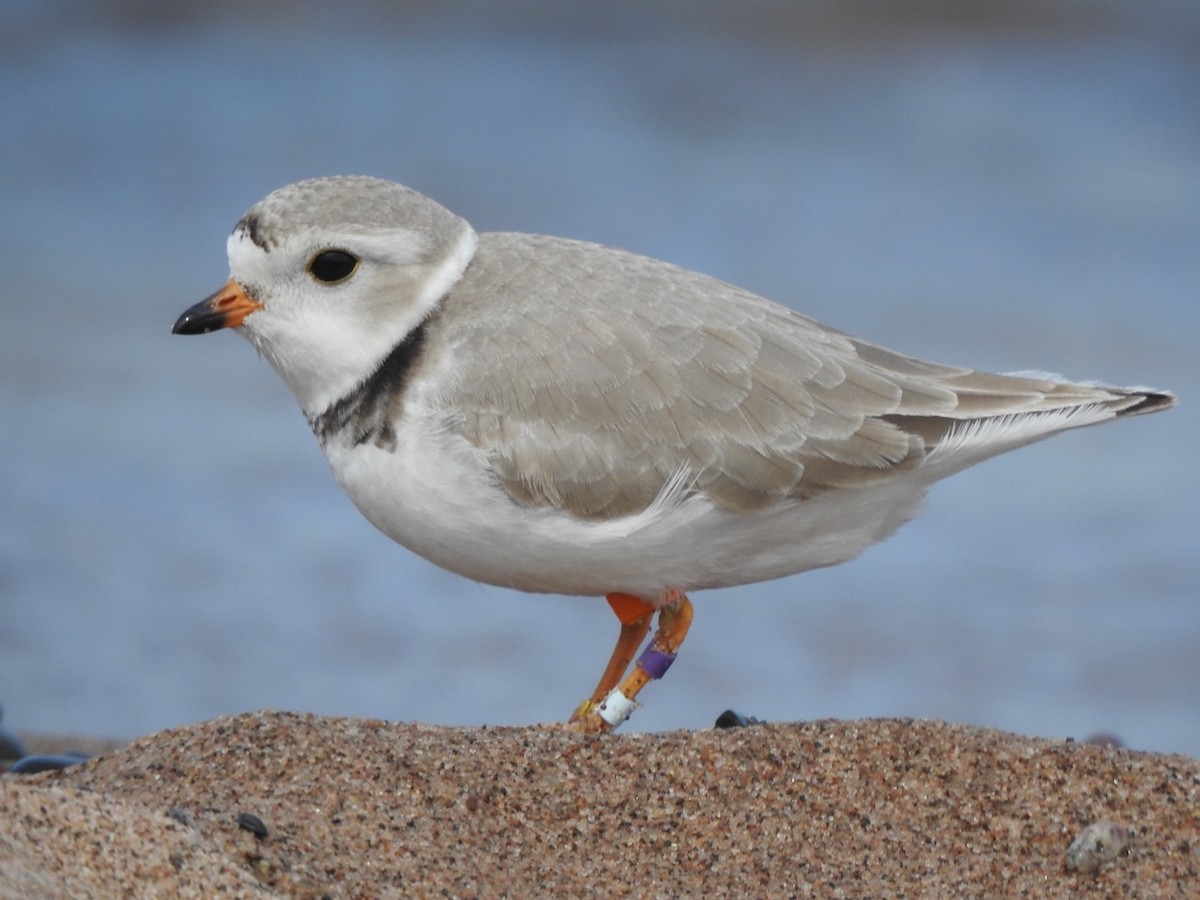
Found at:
[607, 708]
[635, 615]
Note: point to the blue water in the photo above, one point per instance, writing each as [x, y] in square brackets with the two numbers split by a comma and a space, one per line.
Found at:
[1021, 191]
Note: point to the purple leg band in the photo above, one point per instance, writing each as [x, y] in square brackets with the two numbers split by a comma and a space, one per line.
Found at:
[654, 662]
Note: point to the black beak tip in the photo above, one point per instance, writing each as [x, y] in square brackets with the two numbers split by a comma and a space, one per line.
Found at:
[194, 321]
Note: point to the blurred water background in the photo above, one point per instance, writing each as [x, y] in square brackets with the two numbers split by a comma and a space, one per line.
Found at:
[1008, 185]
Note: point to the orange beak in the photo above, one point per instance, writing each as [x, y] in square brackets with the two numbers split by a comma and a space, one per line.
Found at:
[224, 309]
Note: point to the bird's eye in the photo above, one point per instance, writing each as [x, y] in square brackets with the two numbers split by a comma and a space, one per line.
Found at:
[332, 266]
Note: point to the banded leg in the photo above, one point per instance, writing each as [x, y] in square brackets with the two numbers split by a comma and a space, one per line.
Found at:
[609, 706]
[634, 614]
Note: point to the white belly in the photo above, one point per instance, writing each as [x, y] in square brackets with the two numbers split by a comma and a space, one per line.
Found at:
[433, 495]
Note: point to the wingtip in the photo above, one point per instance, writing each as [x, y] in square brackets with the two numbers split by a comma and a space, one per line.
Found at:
[1148, 401]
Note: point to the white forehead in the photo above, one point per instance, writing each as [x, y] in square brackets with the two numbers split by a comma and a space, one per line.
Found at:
[248, 262]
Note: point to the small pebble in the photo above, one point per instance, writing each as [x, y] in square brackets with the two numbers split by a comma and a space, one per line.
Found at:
[178, 815]
[1097, 844]
[45, 762]
[731, 719]
[252, 823]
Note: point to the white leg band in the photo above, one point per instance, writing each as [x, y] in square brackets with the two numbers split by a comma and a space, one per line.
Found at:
[616, 708]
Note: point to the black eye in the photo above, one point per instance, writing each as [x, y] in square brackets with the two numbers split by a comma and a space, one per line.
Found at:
[331, 266]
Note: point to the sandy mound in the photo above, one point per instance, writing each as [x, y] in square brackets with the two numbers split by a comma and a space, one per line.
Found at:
[362, 808]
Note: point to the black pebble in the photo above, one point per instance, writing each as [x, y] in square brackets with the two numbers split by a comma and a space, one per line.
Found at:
[253, 824]
[178, 815]
[731, 719]
[45, 762]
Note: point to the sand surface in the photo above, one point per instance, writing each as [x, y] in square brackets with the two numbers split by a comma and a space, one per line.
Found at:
[363, 808]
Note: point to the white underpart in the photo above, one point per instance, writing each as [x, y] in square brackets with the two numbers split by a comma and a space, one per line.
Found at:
[433, 495]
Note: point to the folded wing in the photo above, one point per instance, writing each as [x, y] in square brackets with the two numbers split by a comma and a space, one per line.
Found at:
[627, 373]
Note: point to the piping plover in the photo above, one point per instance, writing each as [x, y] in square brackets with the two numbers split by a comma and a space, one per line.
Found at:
[559, 416]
